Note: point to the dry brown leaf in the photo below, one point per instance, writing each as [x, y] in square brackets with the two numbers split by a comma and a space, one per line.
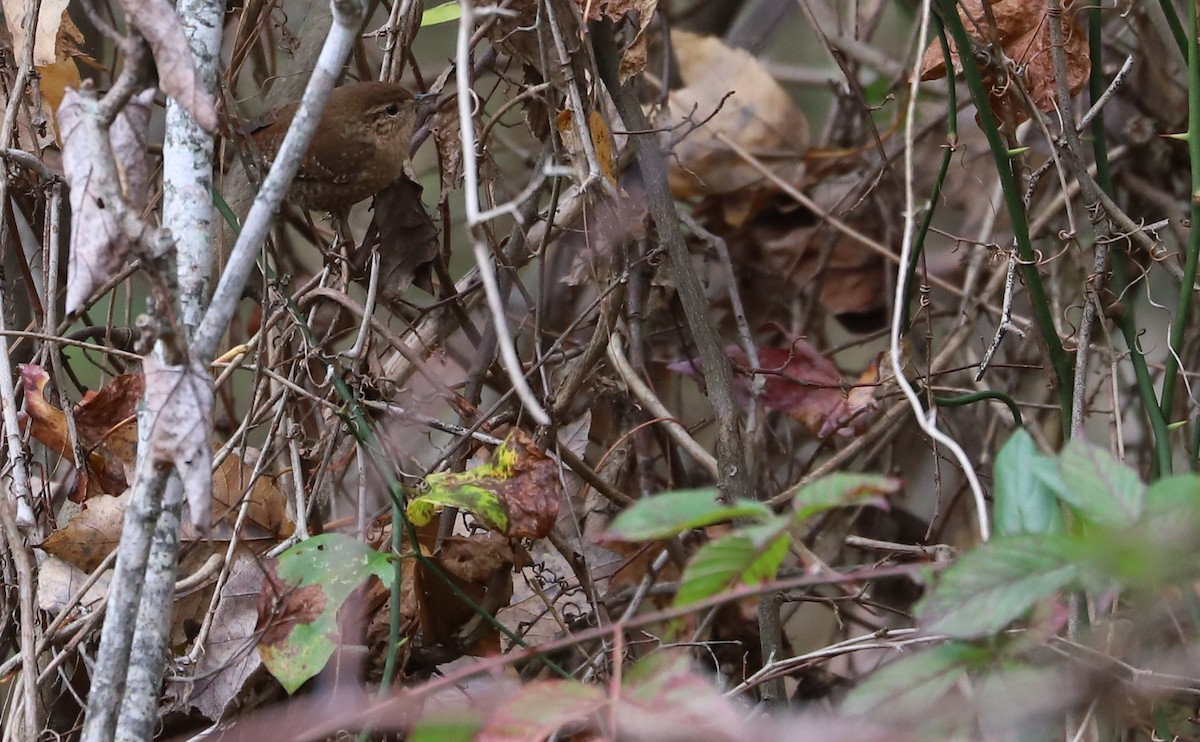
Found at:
[157, 21]
[445, 127]
[50, 16]
[181, 398]
[128, 136]
[55, 48]
[601, 139]
[407, 239]
[481, 567]
[59, 581]
[89, 537]
[229, 657]
[1023, 32]
[532, 491]
[267, 507]
[98, 249]
[633, 57]
[103, 423]
[759, 115]
[851, 276]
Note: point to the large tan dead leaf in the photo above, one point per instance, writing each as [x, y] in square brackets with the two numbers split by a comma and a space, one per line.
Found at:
[50, 15]
[59, 581]
[99, 247]
[181, 397]
[1023, 32]
[267, 505]
[229, 657]
[758, 114]
[158, 23]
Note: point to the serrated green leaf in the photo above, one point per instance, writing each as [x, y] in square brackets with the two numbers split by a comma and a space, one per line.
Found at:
[443, 13]
[994, 584]
[672, 513]
[1098, 487]
[840, 489]
[330, 567]
[911, 685]
[748, 556]
[1024, 501]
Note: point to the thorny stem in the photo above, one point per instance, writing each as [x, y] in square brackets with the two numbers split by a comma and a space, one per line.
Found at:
[1180, 321]
[1006, 169]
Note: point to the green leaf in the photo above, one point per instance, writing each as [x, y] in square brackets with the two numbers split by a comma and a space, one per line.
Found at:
[443, 13]
[748, 556]
[321, 573]
[1169, 493]
[480, 502]
[910, 686]
[1024, 501]
[444, 727]
[838, 490]
[1098, 487]
[994, 584]
[1156, 551]
[672, 513]
[474, 490]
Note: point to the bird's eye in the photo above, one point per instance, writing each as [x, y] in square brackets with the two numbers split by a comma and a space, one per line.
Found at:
[392, 110]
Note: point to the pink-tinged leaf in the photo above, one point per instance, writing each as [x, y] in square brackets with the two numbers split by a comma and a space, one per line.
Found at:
[805, 384]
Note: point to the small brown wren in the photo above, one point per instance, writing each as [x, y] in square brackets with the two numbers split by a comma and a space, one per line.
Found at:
[360, 145]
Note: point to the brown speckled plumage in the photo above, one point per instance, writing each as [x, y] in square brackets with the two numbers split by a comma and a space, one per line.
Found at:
[359, 148]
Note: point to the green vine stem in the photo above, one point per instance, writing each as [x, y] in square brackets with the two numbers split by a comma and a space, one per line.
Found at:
[936, 195]
[1127, 320]
[974, 397]
[1179, 323]
[1006, 169]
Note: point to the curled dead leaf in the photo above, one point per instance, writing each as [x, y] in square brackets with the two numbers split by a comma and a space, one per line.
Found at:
[158, 23]
[181, 398]
[1023, 32]
[407, 241]
[104, 423]
[733, 95]
[98, 249]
